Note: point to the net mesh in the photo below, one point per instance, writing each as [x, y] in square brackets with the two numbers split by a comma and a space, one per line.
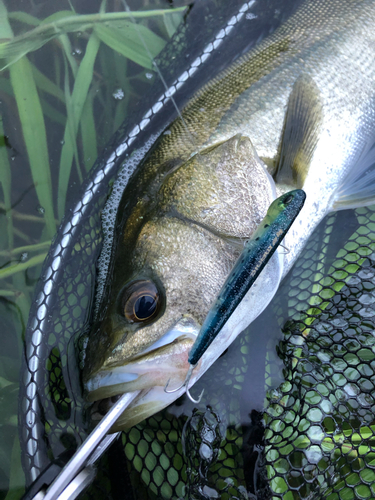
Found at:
[320, 422]
[315, 437]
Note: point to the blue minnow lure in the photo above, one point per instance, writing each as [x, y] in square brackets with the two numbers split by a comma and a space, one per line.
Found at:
[257, 252]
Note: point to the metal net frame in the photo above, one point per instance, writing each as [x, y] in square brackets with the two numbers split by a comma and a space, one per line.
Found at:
[51, 410]
[315, 438]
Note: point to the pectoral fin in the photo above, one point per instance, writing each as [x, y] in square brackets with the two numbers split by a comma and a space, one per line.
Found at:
[302, 125]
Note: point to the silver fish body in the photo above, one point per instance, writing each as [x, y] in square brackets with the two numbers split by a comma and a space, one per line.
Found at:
[295, 112]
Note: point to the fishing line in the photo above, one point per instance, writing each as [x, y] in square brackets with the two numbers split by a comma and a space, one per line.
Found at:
[190, 135]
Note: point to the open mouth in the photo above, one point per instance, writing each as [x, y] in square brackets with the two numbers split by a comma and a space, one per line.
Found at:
[166, 359]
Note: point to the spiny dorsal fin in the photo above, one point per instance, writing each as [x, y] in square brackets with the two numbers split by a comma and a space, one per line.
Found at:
[301, 132]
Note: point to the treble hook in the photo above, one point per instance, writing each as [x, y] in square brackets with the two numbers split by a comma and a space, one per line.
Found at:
[185, 384]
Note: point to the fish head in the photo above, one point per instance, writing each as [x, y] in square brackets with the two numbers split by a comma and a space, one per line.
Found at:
[180, 234]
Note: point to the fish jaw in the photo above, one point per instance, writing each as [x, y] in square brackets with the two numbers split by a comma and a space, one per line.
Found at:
[153, 398]
[165, 359]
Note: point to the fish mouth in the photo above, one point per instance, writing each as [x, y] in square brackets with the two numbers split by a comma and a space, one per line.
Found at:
[165, 359]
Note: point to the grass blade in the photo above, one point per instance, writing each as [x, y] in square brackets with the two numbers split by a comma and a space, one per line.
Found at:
[127, 42]
[19, 46]
[17, 478]
[32, 124]
[47, 85]
[78, 98]
[22, 266]
[70, 124]
[34, 133]
[28, 248]
[88, 131]
[6, 183]
[172, 22]
[52, 113]
[24, 17]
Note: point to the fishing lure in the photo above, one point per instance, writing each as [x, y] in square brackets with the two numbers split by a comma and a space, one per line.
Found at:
[257, 252]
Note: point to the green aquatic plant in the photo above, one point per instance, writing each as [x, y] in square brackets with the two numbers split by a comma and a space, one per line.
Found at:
[67, 82]
[67, 110]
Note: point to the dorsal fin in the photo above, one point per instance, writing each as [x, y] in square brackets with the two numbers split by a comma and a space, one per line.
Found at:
[301, 132]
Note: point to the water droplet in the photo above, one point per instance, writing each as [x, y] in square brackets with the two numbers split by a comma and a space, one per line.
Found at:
[62, 142]
[149, 75]
[118, 94]
[24, 256]
[13, 157]
[250, 16]
[41, 210]
[78, 51]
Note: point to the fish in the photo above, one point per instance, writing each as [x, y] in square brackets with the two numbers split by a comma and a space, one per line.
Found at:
[297, 111]
[255, 255]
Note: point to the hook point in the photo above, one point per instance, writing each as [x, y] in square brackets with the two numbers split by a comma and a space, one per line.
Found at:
[196, 401]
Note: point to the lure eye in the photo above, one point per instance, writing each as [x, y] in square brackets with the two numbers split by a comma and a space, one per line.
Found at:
[141, 301]
[288, 199]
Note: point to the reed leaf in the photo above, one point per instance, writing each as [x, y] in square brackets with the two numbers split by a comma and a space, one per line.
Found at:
[127, 41]
[34, 133]
[24, 17]
[6, 183]
[78, 98]
[52, 113]
[22, 266]
[12, 50]
[46, 85]
[27, 248]
[88, 131]
[17, 477]
[32, 123]
[171, 22]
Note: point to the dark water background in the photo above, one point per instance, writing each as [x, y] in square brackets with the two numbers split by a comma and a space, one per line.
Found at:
[22, 218]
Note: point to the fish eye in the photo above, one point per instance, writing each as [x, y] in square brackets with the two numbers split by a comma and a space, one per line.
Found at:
[140, 301]
[288, 199]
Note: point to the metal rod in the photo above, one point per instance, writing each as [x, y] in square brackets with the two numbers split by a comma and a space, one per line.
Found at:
[79, 459]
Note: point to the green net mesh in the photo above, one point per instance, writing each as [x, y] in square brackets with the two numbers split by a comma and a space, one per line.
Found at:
[320, 422]
[315, 437]
[288, 410]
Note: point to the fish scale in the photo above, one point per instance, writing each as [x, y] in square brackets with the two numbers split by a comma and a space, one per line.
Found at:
[291, 113]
